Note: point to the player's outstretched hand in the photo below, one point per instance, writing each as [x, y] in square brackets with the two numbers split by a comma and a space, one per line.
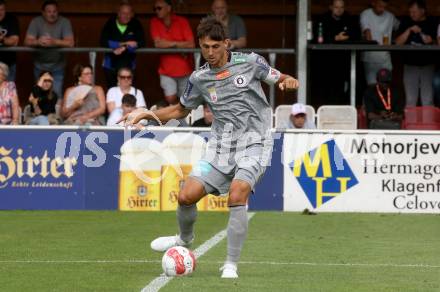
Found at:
[289, 83]
[133, 118]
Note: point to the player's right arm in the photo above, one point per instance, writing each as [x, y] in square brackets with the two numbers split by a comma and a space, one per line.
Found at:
[172, 112]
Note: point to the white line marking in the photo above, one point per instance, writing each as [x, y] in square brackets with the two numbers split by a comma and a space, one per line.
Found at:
[79, 261]
[162, 280]
[219, 262]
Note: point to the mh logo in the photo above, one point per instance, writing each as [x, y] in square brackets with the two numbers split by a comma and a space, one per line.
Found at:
[323, 173]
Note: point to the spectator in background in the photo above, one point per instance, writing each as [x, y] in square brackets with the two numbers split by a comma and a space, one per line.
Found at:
[377, 24]
[298, 118]
[43, 101]
[418, 72]
[50, 31]
[83, 103]
[9, 106]
[207, 119]
[128, 105]
[234, 24]
[337, 27]
[436, 80]
[123, 34]
[9, 37]
[116, 94]
[171, 31]
[383, 105]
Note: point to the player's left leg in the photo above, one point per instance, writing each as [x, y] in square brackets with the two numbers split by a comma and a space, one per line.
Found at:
[237, 225]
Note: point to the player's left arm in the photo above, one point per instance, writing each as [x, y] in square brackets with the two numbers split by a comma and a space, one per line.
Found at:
[271, 75]
[287, 82]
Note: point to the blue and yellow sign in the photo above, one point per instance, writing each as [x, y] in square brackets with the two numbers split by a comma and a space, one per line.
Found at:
[323, 173]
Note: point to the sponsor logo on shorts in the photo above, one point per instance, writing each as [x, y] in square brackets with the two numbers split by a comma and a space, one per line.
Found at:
[323, 173]
[223, 75]
[240, 81]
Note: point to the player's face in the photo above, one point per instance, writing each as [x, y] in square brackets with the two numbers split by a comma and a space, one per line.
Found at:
[125, 14]
[50, 13]
[214, 52]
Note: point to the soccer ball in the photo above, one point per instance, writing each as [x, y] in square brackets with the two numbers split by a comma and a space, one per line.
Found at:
[178, 261]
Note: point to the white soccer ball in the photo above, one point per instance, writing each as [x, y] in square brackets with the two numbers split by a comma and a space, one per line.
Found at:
[178, 261]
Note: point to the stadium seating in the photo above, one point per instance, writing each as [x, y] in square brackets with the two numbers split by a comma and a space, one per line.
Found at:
[422, 118]
[337, 117]
[362, 118]
[282, 113]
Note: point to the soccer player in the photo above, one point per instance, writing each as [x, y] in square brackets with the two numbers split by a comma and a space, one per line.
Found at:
[241, 144]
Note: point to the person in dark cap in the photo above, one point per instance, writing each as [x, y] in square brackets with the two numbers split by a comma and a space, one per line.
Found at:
[383, 105]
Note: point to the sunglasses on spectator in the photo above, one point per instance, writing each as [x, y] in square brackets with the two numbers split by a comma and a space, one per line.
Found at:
[126, 77]
[157, 8]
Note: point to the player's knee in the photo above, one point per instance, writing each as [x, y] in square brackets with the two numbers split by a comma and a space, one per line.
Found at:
[238, 193]
[185, 199]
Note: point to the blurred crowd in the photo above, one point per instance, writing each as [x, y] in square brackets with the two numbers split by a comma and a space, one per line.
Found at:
[87, 103]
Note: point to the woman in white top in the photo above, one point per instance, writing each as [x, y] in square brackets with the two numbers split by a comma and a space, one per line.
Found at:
[115, 94]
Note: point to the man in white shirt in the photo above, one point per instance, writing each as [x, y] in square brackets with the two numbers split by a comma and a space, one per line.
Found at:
[377, 24]
[436, 80]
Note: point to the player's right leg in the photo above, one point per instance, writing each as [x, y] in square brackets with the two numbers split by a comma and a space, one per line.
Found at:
[191, 193]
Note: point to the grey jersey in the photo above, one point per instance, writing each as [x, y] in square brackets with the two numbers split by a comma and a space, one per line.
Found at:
[236, 99]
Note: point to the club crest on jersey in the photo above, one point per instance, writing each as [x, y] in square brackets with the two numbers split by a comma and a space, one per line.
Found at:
[240, 81]
[212, 94]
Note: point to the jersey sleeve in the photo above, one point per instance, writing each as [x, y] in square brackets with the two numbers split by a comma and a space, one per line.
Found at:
[263, 71]
[192, 97]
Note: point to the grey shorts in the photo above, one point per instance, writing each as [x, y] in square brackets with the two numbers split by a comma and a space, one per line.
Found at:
[173, 85]
[217, 179]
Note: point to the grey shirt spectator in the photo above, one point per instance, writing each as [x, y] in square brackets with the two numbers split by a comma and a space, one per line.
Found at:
[38, 28]
[234, 24]
[50, 31]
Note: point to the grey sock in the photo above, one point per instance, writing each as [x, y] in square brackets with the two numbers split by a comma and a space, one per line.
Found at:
[237, 231]
[186, 216]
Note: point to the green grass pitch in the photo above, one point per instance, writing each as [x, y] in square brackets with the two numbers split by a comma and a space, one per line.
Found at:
[109, 251]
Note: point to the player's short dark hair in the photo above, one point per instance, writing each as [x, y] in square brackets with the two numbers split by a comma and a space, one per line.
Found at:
[129, 100]
[49, 2]
[420, 3]
[212, 28]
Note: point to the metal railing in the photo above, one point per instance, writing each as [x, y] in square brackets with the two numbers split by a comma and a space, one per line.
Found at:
[355, 48]
[272, 52]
